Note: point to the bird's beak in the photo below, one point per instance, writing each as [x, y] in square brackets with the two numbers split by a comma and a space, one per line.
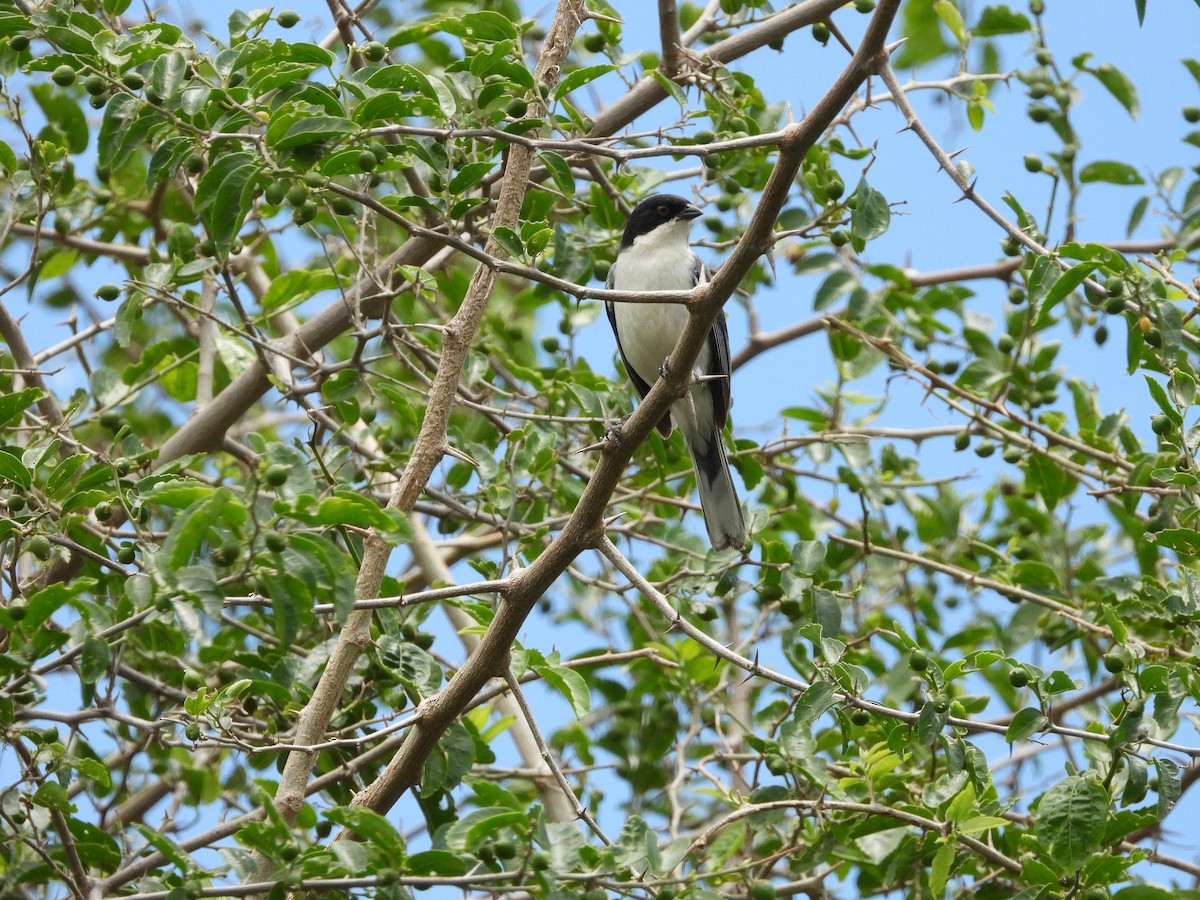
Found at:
[690, 212]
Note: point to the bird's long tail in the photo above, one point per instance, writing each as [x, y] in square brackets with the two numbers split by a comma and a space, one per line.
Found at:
[718, 497]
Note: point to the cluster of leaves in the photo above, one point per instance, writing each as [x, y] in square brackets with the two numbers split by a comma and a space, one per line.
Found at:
[186, 519]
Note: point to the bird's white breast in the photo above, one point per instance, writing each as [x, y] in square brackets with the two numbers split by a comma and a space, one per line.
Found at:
[658, 261]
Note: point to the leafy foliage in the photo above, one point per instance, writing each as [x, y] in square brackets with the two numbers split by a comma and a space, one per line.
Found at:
[301, 477]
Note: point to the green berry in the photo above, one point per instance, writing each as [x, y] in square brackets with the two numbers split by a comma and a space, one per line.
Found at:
[64, 76]
[275, 193]
[594, 42]
[126, 554]
[276, 541]
[17, 610]
[288, 18]
[984, 449]
[1018, 678]
[1043, 56]
[297, 195]
[918, 661]
[194, 163]
[1033, 163]
[1016, 295]
[104, 511]
[342, 206]
[517, 107]
[134, 81]
[762, 890]
[1192, 113]
[1005, 344]
[820, 32]
[277, 474]
[39, 546]
[62, 224]
[314, 180]
[305, 213]
[864, 6]
[374, 51]
[108, 292]
[1101, 335]
[1114, 663]
[94, 84]
[367, 161]
[1160, 424]
[962, 440]
[840, 238]
[860, 717]
[19, 42]
[192, 732]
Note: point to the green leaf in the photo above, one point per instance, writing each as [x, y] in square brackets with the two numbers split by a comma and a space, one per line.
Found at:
[814, 702]
[13, 404]
[370, 825]
[578, 78]
[1170, 785]
[312, 130]
[1111, 172]
[64, 112]
[1194, 68]
[192, 527]
[296, 286]
[1026, 723]
[1119, 85]
[995, 20]
[225, 194]
[570, 684]
[564, 180]
[480, 26]
[1070, 820]
[12, 469]
[510, 241]
[167, 75]
[871, 216]
[481, 825]
[949, 14]
[470, 175]
[939, 869]
[436, 862]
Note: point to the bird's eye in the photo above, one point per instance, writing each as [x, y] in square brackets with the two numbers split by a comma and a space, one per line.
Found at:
[663, 211]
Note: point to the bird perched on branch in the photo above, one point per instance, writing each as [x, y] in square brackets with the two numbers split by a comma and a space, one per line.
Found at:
[655, 256]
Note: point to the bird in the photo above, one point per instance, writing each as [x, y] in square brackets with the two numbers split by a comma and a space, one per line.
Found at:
[655, 256]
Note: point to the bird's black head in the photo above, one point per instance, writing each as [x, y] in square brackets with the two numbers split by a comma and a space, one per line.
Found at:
[656, 210]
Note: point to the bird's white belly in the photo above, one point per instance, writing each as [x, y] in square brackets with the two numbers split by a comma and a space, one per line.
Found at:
[649, 332]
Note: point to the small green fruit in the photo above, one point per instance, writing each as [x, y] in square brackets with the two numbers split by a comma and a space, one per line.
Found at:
[276, 474]
[94, 84]
[134, 81]
[342, 206]
[1033, 163]
[1192, 113]
[367, 161]
[192, 732]
[275, 193]
[194, 163]
[64, 76]
[289, 18]
[918, 661]
[276, 541]
[984, 449]
[517, 108]
[374, 51]
[297, 194]
[594, 42]
[860, 717]
[19, 42]
[1018, 678]
[126, 554]
[864, 6]
[1005, 344]
[962, 440]
[762, 890]
[1114, 663]
[1160, 424]
[820, 32]
[314, 180]
[108, 292]
[39, 546]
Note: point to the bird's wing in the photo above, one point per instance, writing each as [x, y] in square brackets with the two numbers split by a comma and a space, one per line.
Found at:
[718, 352]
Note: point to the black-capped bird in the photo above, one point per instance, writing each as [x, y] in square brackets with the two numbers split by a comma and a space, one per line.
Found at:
[655, 256]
